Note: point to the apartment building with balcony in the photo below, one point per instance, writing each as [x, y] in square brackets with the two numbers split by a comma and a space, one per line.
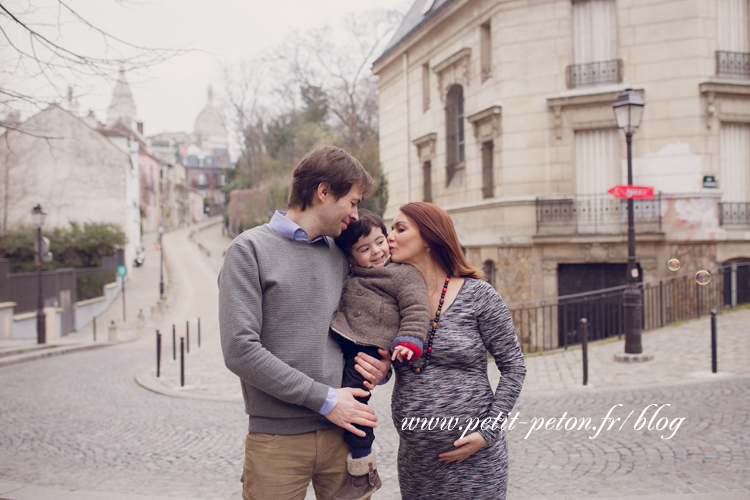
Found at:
[501, 113]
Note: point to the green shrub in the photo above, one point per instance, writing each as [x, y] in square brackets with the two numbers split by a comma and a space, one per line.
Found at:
[88, 287]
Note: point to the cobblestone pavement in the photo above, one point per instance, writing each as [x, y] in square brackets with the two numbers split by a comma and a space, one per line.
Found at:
[79, 422]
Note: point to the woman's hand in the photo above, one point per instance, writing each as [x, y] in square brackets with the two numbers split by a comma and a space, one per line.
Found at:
[465, 448]
[372, 369]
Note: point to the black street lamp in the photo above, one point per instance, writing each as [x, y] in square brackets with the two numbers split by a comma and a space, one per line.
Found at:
[37, 217]
[628, 111]
[161, 260]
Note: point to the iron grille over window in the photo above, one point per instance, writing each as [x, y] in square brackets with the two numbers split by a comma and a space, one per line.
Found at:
[733, 64]
[734, 214]
[594, 73]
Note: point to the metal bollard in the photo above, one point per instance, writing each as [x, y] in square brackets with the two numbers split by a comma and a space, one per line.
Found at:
[713, 340]
[174, 345]
[584, 323]
[158, 353]
[199, 333]
[187, 335]
[112, 337]
[182, 362]
[94, 328]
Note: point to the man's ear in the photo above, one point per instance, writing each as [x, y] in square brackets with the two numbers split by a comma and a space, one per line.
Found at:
[323, 192]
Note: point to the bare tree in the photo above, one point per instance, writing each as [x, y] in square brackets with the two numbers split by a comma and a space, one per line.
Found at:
[37, 55]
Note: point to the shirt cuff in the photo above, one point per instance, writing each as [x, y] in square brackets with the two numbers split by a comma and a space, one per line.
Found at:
[387, 376]
[332, 400]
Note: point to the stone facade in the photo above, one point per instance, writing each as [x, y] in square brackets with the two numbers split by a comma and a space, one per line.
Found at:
[536, 145]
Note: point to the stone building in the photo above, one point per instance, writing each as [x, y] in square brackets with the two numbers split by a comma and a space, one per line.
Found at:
[75, 170]
[501, 113]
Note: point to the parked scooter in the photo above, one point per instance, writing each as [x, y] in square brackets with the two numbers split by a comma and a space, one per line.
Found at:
[140, 256]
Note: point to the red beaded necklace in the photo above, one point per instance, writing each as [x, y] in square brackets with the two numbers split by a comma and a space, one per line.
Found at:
[432, 331]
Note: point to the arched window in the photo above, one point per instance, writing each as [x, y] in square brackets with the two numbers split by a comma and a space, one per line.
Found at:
[489, 272]
[454, 130]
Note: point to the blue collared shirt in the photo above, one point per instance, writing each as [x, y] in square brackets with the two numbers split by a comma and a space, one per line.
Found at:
[290, 229]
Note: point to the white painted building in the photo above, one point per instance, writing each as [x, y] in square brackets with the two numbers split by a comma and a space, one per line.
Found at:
[501, 112]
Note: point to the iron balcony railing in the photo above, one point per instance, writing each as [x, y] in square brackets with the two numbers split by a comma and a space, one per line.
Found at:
[553, 323]
[594, 73]
[734, 214]
[595, 214]
[733, 64]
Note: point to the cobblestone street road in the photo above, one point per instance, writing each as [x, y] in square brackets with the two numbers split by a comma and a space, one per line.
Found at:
[80, 422]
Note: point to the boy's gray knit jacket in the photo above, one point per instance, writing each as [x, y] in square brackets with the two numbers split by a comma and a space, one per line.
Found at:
[277, 297]
[384, 306]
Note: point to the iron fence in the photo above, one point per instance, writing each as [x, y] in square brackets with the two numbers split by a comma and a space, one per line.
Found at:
[554, 323]
[599, 214]
[594, 73]
[733, 64]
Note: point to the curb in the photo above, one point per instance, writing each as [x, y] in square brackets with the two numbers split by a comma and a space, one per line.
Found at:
[39, 353]
[147, 380]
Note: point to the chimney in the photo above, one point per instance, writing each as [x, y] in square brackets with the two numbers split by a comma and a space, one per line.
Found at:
[140, 127]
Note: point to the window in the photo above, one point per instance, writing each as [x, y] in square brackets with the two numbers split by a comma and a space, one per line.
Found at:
[732, 18]
[222, 179]
[425, 86]
[734, 152]
[485, 50]
[597, 161]
[489, 272]
[487, 167]
[594, 31]
[427, 181]
[454, 131]
[201, 179]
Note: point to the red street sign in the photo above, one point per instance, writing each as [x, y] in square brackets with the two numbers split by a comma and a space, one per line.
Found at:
[635, 192]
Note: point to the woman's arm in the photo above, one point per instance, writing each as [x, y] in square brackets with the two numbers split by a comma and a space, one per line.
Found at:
[499, 336]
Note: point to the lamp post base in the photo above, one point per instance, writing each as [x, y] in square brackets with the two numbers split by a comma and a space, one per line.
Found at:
[633, 358]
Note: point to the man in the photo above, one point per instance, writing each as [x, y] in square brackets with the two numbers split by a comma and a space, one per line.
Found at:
[278, 289]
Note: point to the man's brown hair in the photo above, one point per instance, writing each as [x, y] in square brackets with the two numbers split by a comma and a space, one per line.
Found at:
[328, 164]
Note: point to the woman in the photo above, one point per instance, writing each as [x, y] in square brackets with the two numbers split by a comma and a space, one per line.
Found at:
[450, 379]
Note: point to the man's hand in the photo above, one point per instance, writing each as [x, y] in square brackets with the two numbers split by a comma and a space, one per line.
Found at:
[349, 411]
[465, 448]
[401, 352]
[372, 369]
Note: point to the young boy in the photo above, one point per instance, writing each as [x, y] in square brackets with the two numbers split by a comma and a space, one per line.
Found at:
[383, 305]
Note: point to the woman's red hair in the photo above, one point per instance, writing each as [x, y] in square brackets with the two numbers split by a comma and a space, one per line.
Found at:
[437, 230]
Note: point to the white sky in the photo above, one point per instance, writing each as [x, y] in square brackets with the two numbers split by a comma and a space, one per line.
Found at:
[170, 96]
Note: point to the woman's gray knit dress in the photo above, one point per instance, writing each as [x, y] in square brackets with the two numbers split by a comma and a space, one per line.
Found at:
[455, 384]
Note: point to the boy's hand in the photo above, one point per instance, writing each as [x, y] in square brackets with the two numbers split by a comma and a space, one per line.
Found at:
[402, 352]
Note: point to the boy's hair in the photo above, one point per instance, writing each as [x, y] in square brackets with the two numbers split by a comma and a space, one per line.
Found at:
[326, 164]
[366, 222]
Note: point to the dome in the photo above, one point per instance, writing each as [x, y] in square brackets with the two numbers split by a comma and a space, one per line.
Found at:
[209, 125]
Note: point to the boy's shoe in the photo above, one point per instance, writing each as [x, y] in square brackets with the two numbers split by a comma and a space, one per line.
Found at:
[363, 478]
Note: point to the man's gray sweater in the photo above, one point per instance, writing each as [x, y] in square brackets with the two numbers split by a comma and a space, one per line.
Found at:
[276, 300]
